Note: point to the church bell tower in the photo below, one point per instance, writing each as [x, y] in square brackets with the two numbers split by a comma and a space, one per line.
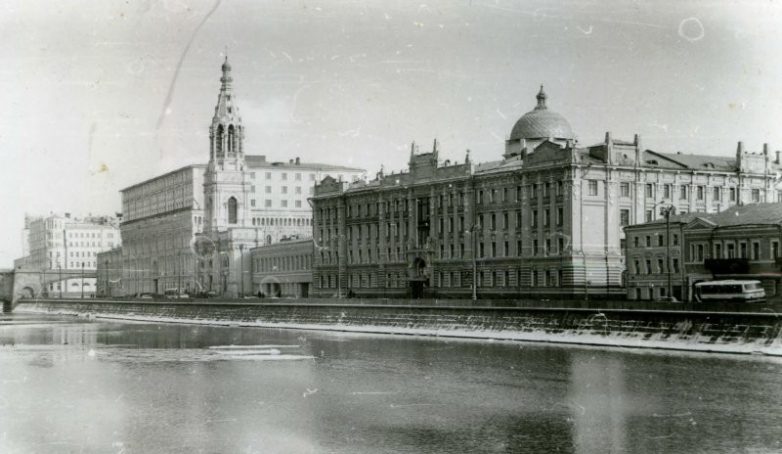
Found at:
[226, 191]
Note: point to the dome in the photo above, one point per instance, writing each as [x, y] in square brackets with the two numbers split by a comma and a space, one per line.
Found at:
[541, 123]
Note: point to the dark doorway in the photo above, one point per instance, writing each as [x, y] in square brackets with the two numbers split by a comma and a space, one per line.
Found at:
[416, 289]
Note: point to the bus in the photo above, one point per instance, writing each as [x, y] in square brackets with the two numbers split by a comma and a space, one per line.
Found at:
[730, 290]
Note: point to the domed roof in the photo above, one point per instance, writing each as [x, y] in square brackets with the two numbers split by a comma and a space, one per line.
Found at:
[541, 123]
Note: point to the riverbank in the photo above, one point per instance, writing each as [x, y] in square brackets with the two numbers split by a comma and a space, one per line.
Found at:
[724, 332]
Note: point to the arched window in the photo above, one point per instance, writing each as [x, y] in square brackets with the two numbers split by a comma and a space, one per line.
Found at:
[232, 210]
[231, 143]
[219, 140]
[268, 239]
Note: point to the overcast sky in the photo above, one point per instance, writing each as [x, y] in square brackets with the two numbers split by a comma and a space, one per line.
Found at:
[98, 95]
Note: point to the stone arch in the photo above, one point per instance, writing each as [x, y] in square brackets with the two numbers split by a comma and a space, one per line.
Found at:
[27, 292]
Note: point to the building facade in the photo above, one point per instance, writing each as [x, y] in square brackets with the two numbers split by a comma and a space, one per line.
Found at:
[192, 229]
[63, 248]
[742, 242]
[109, 274]
[545, 220]
[283, 269]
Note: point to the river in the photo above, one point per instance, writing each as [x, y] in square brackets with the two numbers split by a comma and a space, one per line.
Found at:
[76, 385]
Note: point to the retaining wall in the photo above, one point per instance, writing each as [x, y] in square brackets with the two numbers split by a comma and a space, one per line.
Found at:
[729, 332]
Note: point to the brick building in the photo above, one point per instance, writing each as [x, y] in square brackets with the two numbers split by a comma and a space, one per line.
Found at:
[738, 243]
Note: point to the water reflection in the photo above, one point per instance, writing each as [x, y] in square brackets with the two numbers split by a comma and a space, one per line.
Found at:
[73, 385]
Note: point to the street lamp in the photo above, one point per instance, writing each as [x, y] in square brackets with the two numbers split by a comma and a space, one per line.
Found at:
[82, 280]
[241, 271]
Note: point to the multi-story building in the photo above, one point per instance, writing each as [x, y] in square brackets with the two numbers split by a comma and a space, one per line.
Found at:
[192, 229]
[546, 219]
[109, 273]
[283, 269]
[63, 245]
[742, 242]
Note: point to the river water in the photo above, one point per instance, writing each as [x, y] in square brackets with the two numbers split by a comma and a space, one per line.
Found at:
[84, 386]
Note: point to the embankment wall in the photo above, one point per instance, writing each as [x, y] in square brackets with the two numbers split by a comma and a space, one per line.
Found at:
[729, 332]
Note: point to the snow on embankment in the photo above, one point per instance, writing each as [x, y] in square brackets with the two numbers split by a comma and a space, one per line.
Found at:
[726, 332]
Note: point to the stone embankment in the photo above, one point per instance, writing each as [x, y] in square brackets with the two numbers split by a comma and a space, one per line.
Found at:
[727, 332]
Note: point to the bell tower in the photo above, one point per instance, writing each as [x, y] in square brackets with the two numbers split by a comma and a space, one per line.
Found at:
[226, 190]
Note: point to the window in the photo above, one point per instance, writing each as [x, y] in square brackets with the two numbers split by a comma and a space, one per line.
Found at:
[298, 204]
[675, 239]
[649, 190]
[675, 265]
[660, 266]
[534, 247]
[660, 241]
[755, 250]
[267, 203]
[624, 189]
[636, 241]
[699, 193]
[683, 193]
[649, 216]
[743, 250]
[232, 209]
[268, 189]
[717, 251]
[546, 217]
[268, 175]
[667, 191]
[252, 202]
[534, 218]
[284, 203]
[756, 195]
[592, 187]
[648, 266]
[298, 189]
[560, 216]
[774, 249]
[284, 176]
[298, 177]
[717, 194]
[284, 189]
[648, 241]
[624, 217]
[732, 192]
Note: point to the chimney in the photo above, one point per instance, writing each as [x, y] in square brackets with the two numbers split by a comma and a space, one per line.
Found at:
[298, 161]
[739, 152]
[777, 161]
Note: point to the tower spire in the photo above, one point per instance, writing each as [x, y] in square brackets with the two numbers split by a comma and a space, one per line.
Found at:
[226, 79]
[541, 99]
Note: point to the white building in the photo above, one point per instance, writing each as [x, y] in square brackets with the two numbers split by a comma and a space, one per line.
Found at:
[61, 246]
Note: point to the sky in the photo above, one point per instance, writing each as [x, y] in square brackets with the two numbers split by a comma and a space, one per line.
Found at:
[102, 94]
